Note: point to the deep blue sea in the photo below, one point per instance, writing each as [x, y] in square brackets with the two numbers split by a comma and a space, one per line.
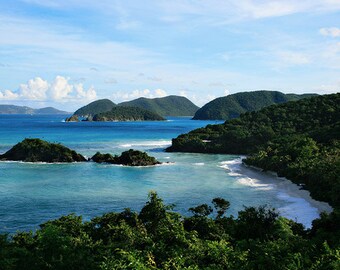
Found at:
[32, 193]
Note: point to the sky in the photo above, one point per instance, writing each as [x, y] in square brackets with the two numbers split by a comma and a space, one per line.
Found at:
[67, 53]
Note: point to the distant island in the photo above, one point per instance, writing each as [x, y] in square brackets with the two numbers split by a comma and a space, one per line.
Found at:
[13, 109]
[231, 106]
[165, 106]
[141, 109]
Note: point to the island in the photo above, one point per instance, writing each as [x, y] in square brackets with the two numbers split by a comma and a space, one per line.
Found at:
[120, 113]
[13, 109]
[95, 107]
[127, 158]
[165, 106]
[36, 150]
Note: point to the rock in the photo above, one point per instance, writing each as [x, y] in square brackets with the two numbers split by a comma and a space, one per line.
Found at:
[128, 158]
[36, 150]
[73, 118]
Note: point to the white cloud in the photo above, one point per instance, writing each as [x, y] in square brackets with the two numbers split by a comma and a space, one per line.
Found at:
[126, 96]
[160, 93]
[35, 89]
[332, 32]
[8, 95]
[90, 94]
[60, 90]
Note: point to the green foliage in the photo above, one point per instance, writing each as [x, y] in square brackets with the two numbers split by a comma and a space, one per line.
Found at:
[158, 238]
[165, 106]
[36, 150]
[128, 158]
[95, 107]
[231, 106]
[298, 140]
[120, 113]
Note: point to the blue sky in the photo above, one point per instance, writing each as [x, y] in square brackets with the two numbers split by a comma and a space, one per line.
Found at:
[67, 53]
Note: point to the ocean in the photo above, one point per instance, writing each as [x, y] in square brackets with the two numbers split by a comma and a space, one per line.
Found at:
[33, 193]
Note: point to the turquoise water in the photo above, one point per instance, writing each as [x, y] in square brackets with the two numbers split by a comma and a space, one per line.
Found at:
[31, 194]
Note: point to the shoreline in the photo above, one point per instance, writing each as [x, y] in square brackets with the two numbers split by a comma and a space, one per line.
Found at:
[292, 189]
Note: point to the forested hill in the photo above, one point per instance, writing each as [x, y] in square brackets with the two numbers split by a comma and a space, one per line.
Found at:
[95, 107]
[298, 139]
[166, 106]
[120, 113]
[13, 109]
[231, 106]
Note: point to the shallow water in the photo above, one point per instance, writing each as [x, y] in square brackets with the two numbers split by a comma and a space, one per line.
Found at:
[32, 193]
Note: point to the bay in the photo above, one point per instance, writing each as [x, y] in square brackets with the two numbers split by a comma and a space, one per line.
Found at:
[32, 193]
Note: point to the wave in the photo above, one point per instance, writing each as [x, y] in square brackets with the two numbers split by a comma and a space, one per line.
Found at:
[146, 144]
[255, 183]
[199, 164]
[234, 168]
[231, 165]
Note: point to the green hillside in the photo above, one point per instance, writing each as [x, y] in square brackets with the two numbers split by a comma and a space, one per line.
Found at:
[297, 139]
[95, 107]
[231, 106]
[166, 106]
[120, 113]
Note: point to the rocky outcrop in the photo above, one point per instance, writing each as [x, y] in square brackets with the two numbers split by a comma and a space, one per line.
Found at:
[127, 158]
[73, 118]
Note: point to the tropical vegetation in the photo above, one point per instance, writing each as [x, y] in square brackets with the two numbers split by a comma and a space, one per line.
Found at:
[299, 140]
[231, 106]
[158, 238]
[120, 113]
[165, 106]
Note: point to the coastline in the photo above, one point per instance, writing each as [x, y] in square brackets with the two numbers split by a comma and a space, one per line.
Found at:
[286, 189]
[291, 188]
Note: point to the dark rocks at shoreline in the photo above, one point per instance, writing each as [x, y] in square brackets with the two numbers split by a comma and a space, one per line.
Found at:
[73, 118]
[127, 158]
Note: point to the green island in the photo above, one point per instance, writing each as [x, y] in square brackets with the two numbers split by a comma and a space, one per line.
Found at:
[231, 106]
[120, 113]
[95, 107]
[36, 150]
[156, 237]
[165, 106]
[128, 158]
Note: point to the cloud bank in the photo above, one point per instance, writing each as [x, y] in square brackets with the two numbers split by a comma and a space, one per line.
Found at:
[59, 90]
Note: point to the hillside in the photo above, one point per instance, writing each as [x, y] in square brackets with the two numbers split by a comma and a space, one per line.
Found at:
[231, 106]
[166, 106]
[13, 109]
[120, 113]
[298, 139]
[95, 107]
